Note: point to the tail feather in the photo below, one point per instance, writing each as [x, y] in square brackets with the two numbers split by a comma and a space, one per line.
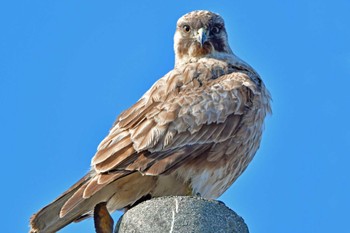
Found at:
[48, 220]
[71, 206]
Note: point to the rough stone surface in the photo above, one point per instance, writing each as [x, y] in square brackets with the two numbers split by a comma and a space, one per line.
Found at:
[181, 215]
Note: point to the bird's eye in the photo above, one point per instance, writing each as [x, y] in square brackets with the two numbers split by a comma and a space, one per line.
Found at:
[186, 28]
[215, 30]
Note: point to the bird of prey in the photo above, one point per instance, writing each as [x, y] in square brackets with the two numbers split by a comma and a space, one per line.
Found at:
[192, 133]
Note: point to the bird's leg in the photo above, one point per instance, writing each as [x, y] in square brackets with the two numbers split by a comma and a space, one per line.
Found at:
[102, 219]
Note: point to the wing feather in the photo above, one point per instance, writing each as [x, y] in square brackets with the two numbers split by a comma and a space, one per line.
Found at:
[119, 147]
[112, 161]
[99, 182]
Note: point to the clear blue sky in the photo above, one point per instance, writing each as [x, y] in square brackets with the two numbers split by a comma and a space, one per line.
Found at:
[68, 68]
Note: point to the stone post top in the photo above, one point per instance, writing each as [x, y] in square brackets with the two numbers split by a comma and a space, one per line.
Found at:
[181, 214]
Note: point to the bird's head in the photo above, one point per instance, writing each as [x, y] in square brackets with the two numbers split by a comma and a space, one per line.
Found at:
[200, 34]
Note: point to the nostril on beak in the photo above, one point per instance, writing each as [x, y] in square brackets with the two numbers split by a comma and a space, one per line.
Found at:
[202, 36]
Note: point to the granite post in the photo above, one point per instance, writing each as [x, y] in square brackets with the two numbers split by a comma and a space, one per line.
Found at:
[181, 214]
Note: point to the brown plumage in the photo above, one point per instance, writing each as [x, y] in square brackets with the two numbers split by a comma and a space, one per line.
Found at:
[194, 132]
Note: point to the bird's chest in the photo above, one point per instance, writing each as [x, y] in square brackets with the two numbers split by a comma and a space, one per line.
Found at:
[207, 181]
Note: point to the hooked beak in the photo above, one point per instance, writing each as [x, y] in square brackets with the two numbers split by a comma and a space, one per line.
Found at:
[202, 36]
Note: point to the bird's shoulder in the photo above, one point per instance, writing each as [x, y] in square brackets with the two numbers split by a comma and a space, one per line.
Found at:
[192, 79]
[189, 96]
